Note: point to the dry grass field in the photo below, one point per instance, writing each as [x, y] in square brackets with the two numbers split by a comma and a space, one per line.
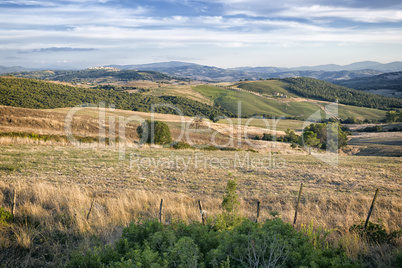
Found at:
[56, 182]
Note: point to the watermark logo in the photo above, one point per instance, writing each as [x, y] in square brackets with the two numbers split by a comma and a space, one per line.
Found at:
[237, 133]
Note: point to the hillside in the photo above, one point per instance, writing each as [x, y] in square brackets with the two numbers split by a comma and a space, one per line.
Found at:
[256, 98]
[321, 90]
[317, 89]
[94, 75]
[269, 106]
[387, 84]
[29, 93]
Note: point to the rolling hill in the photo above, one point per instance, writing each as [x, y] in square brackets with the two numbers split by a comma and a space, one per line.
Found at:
[303, 98]
[253, 103]
[387, 84]
[30, 93]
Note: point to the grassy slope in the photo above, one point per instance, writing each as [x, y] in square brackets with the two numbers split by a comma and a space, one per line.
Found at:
[267, 87]
[252, 104]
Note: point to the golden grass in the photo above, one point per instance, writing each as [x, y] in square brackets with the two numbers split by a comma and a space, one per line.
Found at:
[56, 185]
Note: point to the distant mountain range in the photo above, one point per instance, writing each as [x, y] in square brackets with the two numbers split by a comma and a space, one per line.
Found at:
[369, 76]
[329, 72]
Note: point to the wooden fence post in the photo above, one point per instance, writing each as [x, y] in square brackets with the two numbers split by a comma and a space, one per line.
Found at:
[297, 205]
[371, 208]
[13, 207]
[258, 210]
[161, 211]
[202, 212]
[90, 208]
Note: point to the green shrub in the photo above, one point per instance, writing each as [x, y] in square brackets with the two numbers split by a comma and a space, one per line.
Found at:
[248, 244]
[375, 232]
[155, 132]
[181, 145]
[267, 137]
[371, 129]
[5, 217]
[230, 201]
[210, 148]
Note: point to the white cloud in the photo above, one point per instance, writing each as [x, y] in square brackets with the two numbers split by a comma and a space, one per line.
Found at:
[114, 37]
[354, 14]
[39, 24]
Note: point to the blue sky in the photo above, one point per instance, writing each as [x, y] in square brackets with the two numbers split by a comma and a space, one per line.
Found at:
[230, 33]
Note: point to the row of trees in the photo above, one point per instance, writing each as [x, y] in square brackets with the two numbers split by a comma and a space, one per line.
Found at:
[327, 136]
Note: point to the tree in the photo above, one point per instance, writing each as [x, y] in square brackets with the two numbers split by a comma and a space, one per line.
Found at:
[310, 139]
[214, 117]
[291, 136]
[393, 116]
[155, 132]
[330, 136]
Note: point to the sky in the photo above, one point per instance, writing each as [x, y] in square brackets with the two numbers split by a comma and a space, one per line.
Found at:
[221, 33]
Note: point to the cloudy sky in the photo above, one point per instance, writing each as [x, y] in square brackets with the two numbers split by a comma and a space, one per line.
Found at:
[222, 33]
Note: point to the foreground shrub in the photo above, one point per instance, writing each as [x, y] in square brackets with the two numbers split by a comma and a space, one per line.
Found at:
[248, 244]
[375, 232]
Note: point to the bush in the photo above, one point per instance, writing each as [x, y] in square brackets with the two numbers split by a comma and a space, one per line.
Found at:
[230, 201]
[375, 232]
[182, 145]
[248, 244]
[371, 129]
[155, 132]
[267, 137]
[5, 217]
[210, 148]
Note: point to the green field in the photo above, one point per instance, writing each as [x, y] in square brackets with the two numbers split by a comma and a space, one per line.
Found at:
[267, 87]
[252, 104]
[346, 111]
[276, 107]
